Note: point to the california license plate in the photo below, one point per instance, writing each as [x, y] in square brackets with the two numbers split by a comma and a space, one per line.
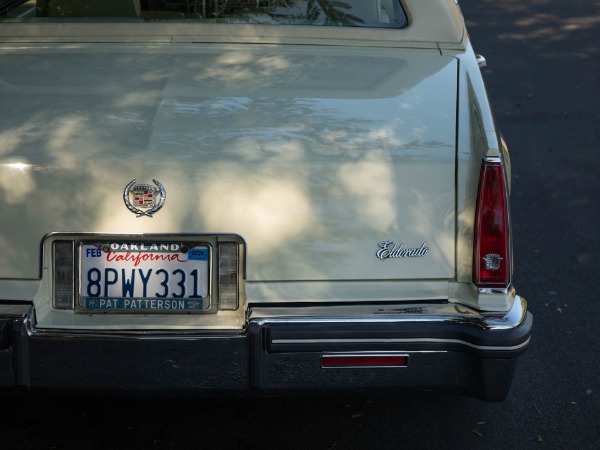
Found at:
[144, 277]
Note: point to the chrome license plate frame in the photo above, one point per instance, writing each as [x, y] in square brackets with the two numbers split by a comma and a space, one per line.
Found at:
[144, 277]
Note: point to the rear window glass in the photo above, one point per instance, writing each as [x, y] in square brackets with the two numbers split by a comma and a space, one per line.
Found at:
[347, 13]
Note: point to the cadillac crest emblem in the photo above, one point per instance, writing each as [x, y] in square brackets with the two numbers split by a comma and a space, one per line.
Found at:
[144, 199]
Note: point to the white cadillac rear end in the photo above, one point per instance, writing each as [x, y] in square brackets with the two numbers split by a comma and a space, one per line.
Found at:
[192, 206]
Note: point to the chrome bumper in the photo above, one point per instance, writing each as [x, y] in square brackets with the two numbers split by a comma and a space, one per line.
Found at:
[447, 347]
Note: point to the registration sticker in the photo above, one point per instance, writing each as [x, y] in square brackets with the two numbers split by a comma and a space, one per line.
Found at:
[144, 277]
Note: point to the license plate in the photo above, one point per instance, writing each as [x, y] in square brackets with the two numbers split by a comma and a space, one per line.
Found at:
[144, 277]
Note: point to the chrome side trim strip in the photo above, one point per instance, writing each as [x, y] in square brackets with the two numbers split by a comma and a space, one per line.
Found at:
[406, 313]
[401, 341]
[130, 335]
[142, 335]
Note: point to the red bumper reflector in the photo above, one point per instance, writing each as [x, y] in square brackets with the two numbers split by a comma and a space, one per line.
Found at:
[363, 361]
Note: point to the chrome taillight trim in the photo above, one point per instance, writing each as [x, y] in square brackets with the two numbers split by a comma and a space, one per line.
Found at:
[509, 290]
[493, 160]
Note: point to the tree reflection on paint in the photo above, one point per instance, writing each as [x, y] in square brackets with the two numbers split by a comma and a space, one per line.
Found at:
[309, 12]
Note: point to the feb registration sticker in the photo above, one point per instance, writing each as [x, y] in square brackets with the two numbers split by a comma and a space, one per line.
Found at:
[144, 277]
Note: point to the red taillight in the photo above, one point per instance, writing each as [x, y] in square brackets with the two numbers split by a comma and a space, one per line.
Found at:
[364, 361]
[491, 251]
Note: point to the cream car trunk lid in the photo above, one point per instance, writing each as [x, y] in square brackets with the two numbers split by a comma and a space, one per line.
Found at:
[331, 162]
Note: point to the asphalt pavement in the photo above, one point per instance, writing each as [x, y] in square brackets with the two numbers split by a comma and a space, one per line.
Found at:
[544, 82]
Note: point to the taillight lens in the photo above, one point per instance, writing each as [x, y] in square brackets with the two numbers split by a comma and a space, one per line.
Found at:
[491, 255]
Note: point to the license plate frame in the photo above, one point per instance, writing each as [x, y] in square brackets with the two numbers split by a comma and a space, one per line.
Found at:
[174, 277]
